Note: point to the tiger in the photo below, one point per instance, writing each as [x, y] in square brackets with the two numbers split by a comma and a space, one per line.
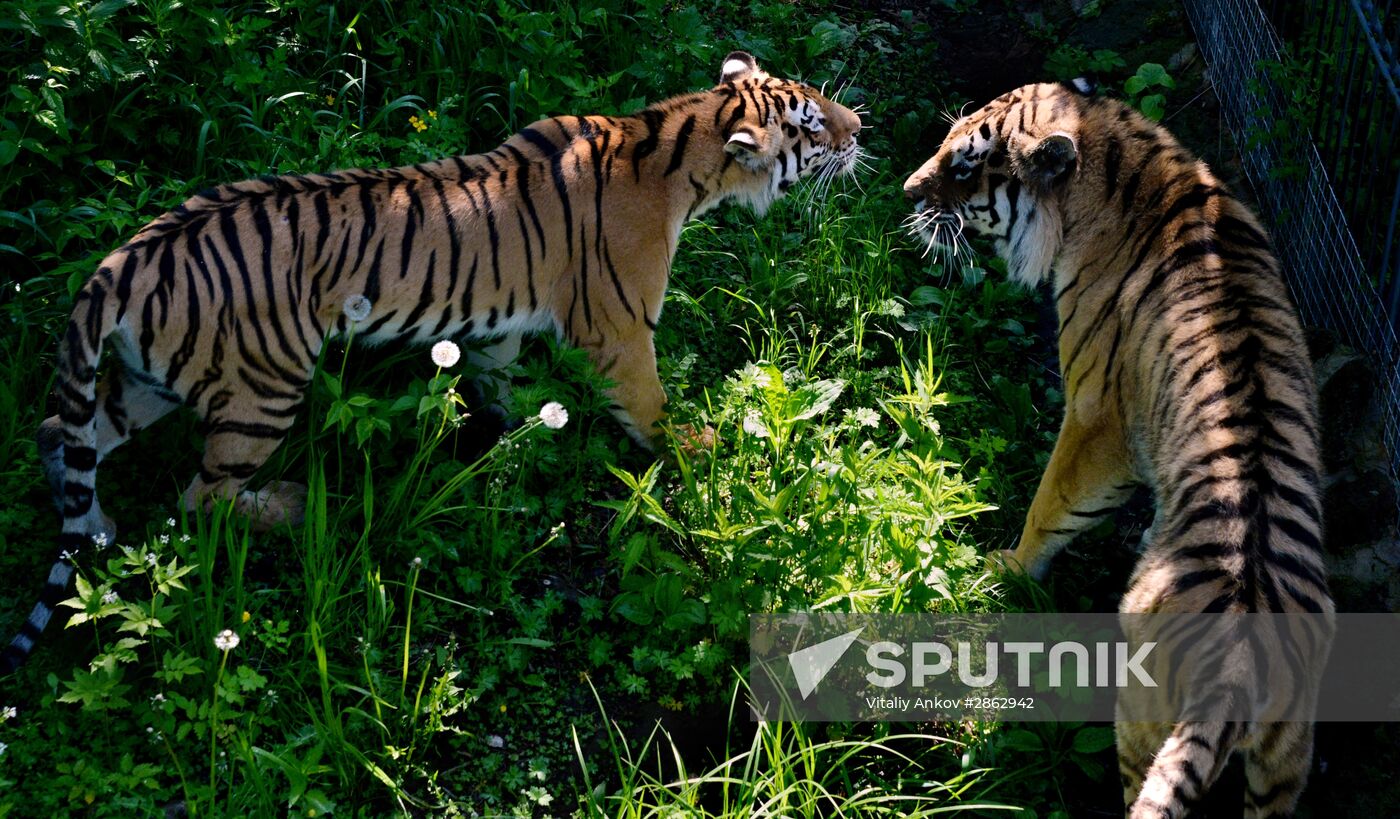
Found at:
[224, 303]
[1185, 369]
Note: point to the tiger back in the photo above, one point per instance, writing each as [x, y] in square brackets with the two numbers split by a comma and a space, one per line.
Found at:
[1185, 369]
[570, 226]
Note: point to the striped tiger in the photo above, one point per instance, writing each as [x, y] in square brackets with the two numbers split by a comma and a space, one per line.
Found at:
[1185, 369]
[224, 303]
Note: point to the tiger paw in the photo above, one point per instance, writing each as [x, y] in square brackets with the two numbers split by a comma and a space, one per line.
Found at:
[1004, 562]
[694, 442]
[279, 503]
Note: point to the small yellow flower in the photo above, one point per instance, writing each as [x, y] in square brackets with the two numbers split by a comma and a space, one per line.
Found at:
[330, 99]
[503, 708]
[247, 616]
[432, 114]
[89, 797]
[418, 124]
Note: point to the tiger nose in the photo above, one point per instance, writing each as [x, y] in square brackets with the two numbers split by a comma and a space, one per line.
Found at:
[916, 186]
[920, 183]
[843, 122]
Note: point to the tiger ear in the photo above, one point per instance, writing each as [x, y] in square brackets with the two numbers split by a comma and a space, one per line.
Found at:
[740, 65]
[1051, 160]
[747, 147]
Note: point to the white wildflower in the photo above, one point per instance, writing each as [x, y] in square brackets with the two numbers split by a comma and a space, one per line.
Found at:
[753, 425]
[756, 375]
[495, 741]
[226, 640]
[170, 522]
[109, 597]
[67, 555]
[100, 540]
[9, 712]
[553, 415]
[357, 308]
[165, 539]
[184, 538]
[417, 563]
[446, 353]
[157, 697]
[792, 376]
[151, 558]
[864, 416]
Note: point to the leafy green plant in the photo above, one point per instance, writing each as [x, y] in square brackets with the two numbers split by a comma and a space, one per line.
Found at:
[1068, 61]
[1147, 89]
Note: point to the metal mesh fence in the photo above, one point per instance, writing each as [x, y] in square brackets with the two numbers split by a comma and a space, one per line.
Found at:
[1317, 135]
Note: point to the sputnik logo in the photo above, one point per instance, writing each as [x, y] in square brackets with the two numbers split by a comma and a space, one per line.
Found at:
[811, 664]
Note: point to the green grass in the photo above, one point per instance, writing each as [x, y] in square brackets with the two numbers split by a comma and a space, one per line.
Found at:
[468, 626]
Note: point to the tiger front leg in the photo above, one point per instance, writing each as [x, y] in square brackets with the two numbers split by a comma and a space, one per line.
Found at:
[636, 393]
[1089, 476]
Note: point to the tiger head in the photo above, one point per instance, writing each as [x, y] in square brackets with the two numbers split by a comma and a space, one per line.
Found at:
[1005, 173]
[776, 132]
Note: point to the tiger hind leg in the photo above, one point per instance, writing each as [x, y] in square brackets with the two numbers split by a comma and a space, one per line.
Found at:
[1276, 769]
[126, 404]
[233, 452]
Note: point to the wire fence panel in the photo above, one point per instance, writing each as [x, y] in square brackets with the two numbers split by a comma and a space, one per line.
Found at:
[1317, 134]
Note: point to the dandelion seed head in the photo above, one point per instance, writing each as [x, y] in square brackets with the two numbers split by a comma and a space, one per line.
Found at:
[226, 640]
[416, 563]
[357, 308]
[495, 741]
[446, 353]
[553, 415]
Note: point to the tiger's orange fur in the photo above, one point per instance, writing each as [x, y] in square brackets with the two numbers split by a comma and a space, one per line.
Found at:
[1185, 369]
[224, 304]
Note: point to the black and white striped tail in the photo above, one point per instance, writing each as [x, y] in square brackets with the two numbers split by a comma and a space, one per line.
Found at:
[55, 591]
[76, 392]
